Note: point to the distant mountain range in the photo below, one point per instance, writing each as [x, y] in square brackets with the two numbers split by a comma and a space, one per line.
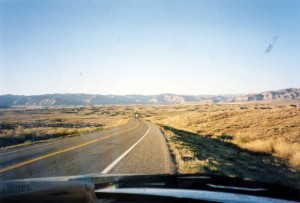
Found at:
[94, 99]
[284, 94]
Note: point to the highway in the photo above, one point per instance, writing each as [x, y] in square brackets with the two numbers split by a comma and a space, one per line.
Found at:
[137, 147]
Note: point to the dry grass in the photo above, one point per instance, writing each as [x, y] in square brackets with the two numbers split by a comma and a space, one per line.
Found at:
[203, 154]
[185, 155]
[25, 124]
[260, 127]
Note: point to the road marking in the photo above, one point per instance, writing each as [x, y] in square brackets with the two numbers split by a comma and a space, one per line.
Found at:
[33, 147]
[61, 151]
[108, 168]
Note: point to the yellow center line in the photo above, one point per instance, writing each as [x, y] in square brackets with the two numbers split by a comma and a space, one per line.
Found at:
[61, 151]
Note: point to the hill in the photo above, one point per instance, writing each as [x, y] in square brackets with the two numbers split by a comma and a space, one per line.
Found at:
[96, 99]
[93, 99]
[283, 94]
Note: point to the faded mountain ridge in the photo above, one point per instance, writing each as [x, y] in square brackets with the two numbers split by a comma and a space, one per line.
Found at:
[94, 99]
[283, 94]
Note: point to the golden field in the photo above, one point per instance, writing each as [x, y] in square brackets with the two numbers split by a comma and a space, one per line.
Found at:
[23, 125]
[251, 140]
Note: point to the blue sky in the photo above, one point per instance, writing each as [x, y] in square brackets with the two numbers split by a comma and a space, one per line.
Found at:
[148, 47]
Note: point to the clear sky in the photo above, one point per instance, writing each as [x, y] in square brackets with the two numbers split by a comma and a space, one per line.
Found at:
[148, 46]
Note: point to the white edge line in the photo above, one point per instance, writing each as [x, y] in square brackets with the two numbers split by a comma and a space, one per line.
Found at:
[42, 145]
[108, 168]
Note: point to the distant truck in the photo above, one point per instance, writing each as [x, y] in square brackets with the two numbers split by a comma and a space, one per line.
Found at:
[136, 115]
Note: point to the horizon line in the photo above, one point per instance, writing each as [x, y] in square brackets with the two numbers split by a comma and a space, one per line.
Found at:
[146, 94]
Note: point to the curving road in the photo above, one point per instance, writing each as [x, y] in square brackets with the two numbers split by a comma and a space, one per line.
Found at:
[138, 147]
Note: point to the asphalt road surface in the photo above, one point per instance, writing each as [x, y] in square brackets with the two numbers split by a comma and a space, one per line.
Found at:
[137, 147]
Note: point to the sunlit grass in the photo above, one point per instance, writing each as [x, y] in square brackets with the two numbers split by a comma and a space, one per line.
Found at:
[28, 125]
[196, 153]
[259, 127]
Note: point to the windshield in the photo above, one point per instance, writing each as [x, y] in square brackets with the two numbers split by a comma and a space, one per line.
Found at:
[150, 87]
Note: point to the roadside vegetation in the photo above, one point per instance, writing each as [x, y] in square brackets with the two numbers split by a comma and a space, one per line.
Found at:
[200, 154]
[247, 139]
[26, 125]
